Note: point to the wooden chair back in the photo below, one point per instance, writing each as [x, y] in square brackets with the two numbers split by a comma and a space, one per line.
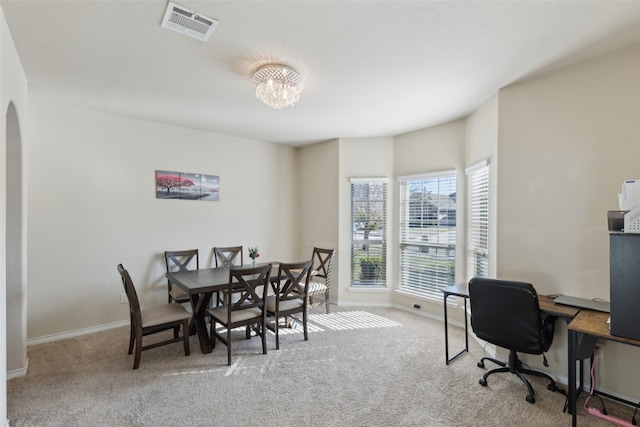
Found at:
[250, 286]
[293, 282]
[180, 261]
[132, 295]
[323, 260]
[228, 256]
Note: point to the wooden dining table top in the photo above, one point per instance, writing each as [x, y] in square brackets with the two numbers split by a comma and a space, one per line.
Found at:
[206, 280]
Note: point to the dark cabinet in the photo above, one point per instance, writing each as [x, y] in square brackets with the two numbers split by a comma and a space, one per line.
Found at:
[625, 284]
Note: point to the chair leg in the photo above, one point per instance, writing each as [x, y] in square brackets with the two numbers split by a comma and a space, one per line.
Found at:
[132, 337]
[136, 361]
[185, 336]
[514, 366]
[304, 325]
[263, 334]
[212, 333]
[228, 346]
[277, 332]
[326, 302]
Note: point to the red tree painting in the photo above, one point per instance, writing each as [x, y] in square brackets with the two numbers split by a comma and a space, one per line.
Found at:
[172, 181]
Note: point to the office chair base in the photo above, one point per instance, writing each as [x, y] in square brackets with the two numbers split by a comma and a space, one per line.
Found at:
[515, 367]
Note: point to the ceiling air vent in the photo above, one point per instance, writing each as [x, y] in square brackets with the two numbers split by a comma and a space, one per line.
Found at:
[188, 22]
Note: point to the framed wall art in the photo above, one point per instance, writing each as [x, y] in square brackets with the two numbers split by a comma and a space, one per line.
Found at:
[187, 186]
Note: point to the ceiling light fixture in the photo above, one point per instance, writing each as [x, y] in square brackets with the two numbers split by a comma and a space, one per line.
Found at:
[278, 85]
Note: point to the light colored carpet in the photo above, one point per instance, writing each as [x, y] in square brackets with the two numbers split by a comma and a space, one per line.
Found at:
[364, 367]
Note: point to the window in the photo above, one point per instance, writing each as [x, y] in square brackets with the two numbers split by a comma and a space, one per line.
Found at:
[478, 220]
[427, 233]
[368, 235]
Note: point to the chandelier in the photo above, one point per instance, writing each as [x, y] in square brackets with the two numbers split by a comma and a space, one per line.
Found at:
[278, 85]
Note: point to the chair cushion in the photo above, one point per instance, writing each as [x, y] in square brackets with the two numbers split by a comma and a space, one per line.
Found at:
[317, 288]
[220, 313]
[284, 305]
[165, 313]
[178, 294]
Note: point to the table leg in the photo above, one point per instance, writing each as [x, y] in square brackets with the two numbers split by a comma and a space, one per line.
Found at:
[571, 388]
[199, 304]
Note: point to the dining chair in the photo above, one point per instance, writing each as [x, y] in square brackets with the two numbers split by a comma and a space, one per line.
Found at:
[250, 285]
[290, 296]
[153, 319]
[320, 283]
[227, 257]
[180, 261]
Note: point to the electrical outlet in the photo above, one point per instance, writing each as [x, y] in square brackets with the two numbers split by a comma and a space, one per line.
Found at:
[123, 299]
[600, 352]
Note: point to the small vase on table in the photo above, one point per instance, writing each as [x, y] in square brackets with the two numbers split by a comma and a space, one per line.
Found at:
[253, 254]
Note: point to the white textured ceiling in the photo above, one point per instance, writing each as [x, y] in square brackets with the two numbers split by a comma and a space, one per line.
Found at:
[371, 68]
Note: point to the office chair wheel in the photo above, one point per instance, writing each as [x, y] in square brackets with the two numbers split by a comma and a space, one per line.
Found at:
[480, 364]
[552, 387]
[483, 382]
[531, 399]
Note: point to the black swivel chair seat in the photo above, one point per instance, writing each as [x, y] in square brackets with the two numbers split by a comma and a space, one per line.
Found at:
[507, 314]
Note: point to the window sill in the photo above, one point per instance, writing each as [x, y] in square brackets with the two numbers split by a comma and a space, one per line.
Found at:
[368, 288]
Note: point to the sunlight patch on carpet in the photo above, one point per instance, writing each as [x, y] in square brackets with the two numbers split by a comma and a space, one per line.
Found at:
[351, 320]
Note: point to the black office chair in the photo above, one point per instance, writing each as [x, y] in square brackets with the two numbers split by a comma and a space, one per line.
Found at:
[507, 314]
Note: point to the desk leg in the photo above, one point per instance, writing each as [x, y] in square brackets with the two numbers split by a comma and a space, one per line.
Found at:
[446, 332]
[466, 323]
[199, 304]
[572, 394]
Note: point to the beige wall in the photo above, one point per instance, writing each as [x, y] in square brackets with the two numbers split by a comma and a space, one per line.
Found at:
[362, 158]
[481, 144]
[566, 142]
[13, 94]
[435, 149]
[92, 205]
[318, 205]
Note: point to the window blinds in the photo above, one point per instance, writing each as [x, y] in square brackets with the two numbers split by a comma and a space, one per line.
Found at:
[427, 232]
[478, 220]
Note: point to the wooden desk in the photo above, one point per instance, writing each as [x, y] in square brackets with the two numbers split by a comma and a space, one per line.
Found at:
[547, 306]
[587, 323]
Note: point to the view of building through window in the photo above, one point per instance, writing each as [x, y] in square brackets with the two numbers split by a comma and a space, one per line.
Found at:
[427, 233]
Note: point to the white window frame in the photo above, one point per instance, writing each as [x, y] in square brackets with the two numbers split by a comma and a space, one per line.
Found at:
[369, 246]
[427, 263]
[477, 177]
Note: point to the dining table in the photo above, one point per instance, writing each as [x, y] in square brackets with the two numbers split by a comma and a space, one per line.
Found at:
[201, 284]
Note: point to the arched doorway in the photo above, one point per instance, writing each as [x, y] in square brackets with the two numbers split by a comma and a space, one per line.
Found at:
[16, 332]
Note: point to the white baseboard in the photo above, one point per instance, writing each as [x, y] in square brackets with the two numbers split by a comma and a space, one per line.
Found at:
[76, 333]
[15, 373]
